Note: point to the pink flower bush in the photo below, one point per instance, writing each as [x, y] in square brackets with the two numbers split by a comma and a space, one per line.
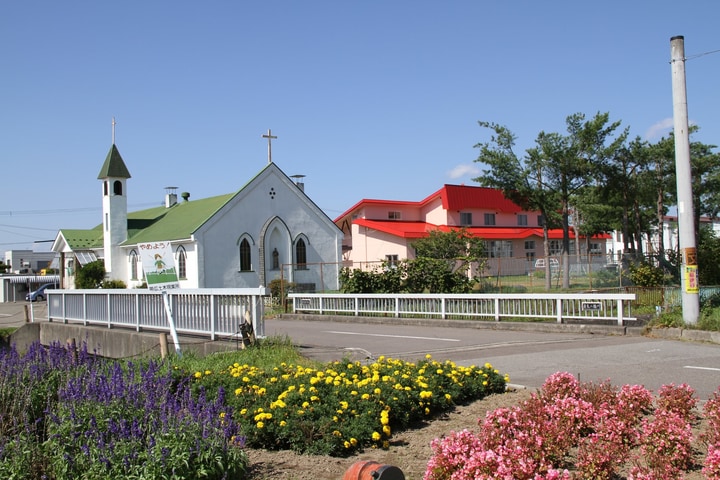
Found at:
[596, 429]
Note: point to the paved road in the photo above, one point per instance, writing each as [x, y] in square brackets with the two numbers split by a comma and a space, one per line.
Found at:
[12, 314]
[528, 357]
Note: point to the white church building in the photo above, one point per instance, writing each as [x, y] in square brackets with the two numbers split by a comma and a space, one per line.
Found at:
[268, 229]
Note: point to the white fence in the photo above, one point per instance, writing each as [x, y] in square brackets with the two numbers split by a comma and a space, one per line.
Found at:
[558, 307]
[204, 312]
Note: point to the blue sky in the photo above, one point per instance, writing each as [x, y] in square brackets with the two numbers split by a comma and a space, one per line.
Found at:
[372, 99]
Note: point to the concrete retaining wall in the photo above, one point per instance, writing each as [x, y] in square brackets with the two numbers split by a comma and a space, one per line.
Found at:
[112, 342]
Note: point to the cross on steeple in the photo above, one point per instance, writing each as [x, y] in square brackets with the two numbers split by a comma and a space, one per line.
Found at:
[113, 130]
[269, 137]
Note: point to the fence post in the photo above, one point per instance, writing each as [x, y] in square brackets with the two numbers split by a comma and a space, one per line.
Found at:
[497, 309]
[559, 310]
[397, 307]
[620, 311]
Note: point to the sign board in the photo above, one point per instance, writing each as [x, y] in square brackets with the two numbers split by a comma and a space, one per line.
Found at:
[158, 265]
[592, 306]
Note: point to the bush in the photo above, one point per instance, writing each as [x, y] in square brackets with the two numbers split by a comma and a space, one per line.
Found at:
[645, 275]
[91, 275]
[110, 284]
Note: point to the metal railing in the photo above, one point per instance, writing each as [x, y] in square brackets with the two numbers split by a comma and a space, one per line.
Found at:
[559, 307]
[204, 312]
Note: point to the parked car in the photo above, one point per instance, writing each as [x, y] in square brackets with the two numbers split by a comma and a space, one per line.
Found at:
[554, 264]
[39, 294]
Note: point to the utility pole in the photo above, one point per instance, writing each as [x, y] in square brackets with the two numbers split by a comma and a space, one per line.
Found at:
[686, 225]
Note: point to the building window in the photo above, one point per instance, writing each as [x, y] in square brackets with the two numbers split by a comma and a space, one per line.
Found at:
[245, 265]
[133, 265]
[117, 187]
[541, 221]
[529, 244]
[555, 247]
[530, 256]
[394, 215]
[489, 219]
[182, 262]
[522, 220]
[301, 254]
[499, 248]
[465, 218]
[391, 260]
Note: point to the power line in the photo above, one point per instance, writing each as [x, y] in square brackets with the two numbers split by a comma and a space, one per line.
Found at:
[692, 57]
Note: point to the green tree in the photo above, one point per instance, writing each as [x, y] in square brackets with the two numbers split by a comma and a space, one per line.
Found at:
[552, 173]
[457, 247]
[521, 179]
[90, 275]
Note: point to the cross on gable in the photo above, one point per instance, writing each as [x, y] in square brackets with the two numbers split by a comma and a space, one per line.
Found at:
[269, 137]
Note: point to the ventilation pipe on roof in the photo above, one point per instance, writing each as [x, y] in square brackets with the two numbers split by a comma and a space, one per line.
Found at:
[299, 182]
[170, 196]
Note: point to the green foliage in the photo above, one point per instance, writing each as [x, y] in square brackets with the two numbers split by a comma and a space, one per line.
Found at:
[110, 284]
[644, 274]
[432, 275]
[90, 275]
[457, 248]
[280, 287]
[708, 254]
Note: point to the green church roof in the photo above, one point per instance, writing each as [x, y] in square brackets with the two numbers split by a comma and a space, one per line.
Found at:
[83, 239]
[114, 165]
[173, 223]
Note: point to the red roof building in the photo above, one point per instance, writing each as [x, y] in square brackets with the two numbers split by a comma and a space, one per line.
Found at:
[377, 230]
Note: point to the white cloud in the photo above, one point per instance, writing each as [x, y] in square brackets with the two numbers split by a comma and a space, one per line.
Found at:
[464, 170]
[659, 129]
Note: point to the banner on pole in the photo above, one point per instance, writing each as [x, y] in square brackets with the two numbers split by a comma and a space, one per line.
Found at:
[158, 265]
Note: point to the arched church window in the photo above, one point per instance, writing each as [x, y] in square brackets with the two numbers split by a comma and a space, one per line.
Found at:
[245, 265]
[182, 262]
[133, 265]
[301, 254]
[105, 188]
[117, 187]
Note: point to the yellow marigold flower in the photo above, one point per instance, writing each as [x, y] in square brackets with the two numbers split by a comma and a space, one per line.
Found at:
[305, 404]
[353, 392]
[386, 430]
[365, 396]
[353, 442]
[337, 433]
[376, 436]
[259, 424]
[428, 356]
[448, 397]
[208, 372]
[238, 391]
[488, 366]
[427, 411]
[384, 420]
[283, 423]
[346, 444]
[246, 379]
[301, 412]
[243, 411]
[198, 374]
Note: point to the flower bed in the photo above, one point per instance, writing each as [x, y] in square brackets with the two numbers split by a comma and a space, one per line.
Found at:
[588, 431]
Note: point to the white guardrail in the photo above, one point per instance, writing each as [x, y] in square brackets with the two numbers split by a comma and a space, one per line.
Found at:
[560, 307]
[205, 312]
